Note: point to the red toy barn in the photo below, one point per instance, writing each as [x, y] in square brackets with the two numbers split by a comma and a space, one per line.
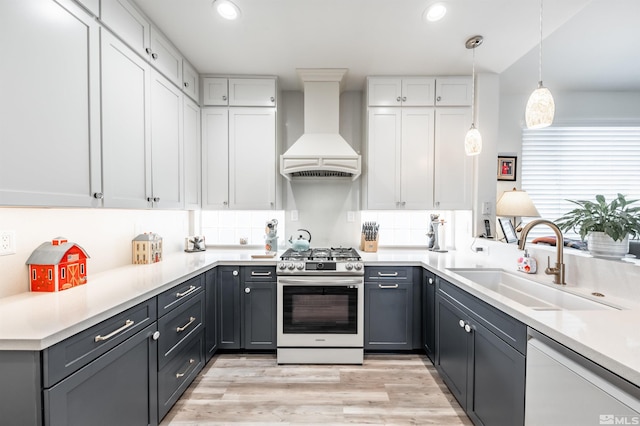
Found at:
[57, 265]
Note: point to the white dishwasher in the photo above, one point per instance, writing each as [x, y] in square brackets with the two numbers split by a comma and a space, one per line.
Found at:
[564, 388]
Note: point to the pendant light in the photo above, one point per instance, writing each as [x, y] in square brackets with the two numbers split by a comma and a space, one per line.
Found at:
[540, 107]
[473, 138]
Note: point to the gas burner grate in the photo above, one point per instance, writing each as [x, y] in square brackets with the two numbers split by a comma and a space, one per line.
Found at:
[335, 254]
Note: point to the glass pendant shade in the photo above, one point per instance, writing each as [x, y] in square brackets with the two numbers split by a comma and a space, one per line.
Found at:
[540, 108]
[473, 141]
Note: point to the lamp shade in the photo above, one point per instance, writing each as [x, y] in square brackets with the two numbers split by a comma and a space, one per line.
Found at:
[473, 141]
[516, 203]
[540, 108]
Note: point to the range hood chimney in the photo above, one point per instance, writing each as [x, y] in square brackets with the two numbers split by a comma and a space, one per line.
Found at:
[321, 151]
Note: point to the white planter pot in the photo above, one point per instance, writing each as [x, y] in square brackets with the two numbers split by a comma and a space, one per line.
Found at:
[602, 245]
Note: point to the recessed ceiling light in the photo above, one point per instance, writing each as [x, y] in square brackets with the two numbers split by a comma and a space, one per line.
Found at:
[226, 9]
[435, 12]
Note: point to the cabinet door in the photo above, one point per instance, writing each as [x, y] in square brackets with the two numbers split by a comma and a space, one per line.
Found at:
[252, 158]
[259, 315]
[192, 160]
[496, 396]
[252, 92]
[50, 149]
[215, 91]
[418, 91]
[166, 143]
[383, 158]
[453, 348]
[190, 84]
[215, 158]
[429, 313]
[126, 141]
[165, 57]
[211, 313]
[127, 23]
[453, 168]
[416, 165]
[119, 388]
[388, 315]
[453, 91]
[229, 307]
[384, 91]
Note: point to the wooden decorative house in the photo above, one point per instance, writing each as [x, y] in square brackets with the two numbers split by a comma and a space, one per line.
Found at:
[57, 265]
[146, 248]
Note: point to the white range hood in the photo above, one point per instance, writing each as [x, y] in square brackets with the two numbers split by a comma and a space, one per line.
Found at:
[321, 151]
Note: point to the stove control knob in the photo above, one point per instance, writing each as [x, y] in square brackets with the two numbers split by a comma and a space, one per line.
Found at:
[300, 266]
[282, 266]
[348, 266]
[291, 266]
[358, 266]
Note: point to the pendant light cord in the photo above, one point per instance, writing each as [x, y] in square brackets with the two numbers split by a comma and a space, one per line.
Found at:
[540, 54]
[473, 89]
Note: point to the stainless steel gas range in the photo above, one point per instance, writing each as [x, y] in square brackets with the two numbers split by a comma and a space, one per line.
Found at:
[321, 307]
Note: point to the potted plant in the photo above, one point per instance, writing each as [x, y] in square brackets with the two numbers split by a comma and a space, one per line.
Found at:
[607, 226]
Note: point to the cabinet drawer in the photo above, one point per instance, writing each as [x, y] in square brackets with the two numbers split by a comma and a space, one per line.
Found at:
[176, 376]
[64, 358]
[179, 294]
[177, 326]
[259, 273]
[388, 273]
[502, 325]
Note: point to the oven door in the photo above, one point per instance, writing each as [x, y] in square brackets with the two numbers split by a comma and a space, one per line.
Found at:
[320, 311]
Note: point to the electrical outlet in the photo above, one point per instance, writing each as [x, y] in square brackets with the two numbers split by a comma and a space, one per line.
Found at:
[482, 250]
[7, 242]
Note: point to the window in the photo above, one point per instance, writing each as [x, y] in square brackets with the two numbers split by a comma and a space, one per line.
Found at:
[576, 163]
[63, 273]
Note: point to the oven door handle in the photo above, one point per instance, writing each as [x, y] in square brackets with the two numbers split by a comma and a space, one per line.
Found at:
[325, 281]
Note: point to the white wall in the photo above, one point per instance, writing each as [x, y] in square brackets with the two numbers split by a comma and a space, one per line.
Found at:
[105, 234]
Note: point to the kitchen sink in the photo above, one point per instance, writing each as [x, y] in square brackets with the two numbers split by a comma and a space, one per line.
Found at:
[534, 295]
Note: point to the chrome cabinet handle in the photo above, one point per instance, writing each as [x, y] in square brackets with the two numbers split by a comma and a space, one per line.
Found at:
[98, 195]
[383, 274]
[467, 328]
[235, 273]
[461, 323]
[439, 98]
[388, 286]
[272, 99]
[191, 361]
[148, 50]
[398, 99]
[127, 324]
[404, 99]
[224, 97]
[225, 203]
[156, 199]
[150, 199]
[184, 327]
[186, 84]
[154, 55]
[155, 335]
[431, 281]
[247, 290]
[187, 292]
[260, 274]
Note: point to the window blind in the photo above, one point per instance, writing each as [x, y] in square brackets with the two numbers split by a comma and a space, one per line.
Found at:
[576, 163]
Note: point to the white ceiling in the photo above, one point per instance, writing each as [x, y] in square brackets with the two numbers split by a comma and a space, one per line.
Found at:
[589, 44]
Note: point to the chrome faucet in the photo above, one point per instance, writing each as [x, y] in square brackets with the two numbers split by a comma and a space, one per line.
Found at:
[558, 270]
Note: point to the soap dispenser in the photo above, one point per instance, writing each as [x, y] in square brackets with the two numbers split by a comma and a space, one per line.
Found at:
[527, 264]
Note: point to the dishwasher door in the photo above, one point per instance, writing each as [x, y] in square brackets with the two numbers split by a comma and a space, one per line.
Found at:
[563, 388]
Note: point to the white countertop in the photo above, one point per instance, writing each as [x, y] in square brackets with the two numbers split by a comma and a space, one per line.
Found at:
[35, 321]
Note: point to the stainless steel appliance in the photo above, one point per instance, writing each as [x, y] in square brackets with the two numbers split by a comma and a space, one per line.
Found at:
[320, 307]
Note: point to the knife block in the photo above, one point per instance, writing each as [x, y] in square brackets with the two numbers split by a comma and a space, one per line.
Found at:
[369, 246]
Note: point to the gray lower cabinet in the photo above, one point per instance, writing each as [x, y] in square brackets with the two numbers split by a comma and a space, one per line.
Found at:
[247, 307]
[211, 313]
[428, 313]
[388, 308]
[480, 355]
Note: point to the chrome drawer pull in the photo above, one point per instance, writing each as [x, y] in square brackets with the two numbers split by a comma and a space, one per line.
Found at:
[382, 274]
[260, 274]
[388, 286]
[186, 293]
[191, 361]
[183, 328]
[127, 324]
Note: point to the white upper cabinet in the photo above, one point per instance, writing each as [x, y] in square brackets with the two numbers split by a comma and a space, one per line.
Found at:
[252, 92]
[400, 91]
[453, 91]
[453, 176]
[128, 23]
[92, 6]
[400, 158]
[190, 85]
[215, 91]
[50, 138]
[215, 158]
[191, 132]
[166, 58]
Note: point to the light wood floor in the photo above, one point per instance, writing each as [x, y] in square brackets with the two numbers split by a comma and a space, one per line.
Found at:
[254, 389]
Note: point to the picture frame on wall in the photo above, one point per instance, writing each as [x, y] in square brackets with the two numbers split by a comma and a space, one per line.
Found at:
[507, 167]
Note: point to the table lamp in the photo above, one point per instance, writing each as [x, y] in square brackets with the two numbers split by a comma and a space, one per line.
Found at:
[516, 203]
